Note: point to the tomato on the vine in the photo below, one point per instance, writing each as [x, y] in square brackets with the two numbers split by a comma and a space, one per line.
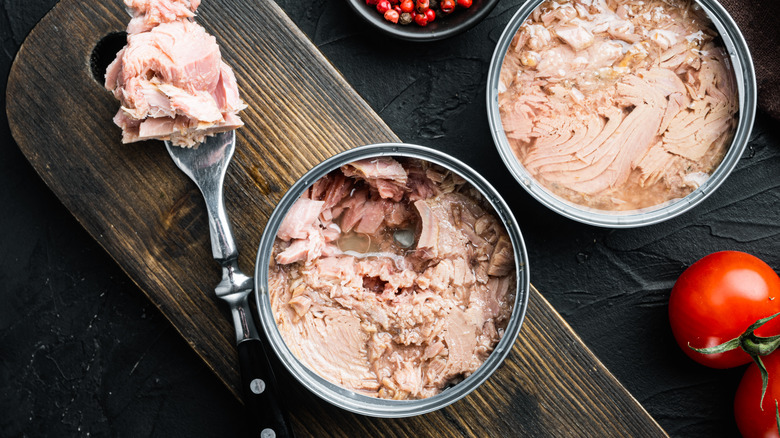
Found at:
[754, 417]
[717, 298]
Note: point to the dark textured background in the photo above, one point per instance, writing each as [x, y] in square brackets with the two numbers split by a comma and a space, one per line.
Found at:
[82, 352]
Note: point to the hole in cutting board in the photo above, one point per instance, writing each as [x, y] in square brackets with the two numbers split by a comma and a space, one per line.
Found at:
[104, 53]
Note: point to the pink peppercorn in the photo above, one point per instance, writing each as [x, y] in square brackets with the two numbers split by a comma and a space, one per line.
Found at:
[383, 6]
[430, 15]
[392, 15]
[421, 20]
[447, 6]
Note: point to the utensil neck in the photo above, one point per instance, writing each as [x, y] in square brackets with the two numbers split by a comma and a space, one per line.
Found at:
[243, 321]
[235, 289]
[223, 246]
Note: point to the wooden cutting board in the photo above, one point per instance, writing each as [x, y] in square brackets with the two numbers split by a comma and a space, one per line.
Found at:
[151, 219]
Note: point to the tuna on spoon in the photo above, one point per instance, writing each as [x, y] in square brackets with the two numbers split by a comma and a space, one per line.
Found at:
[173, 86]
[170, 79]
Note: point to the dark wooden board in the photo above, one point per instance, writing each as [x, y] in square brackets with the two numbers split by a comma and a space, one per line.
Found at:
[150, 219]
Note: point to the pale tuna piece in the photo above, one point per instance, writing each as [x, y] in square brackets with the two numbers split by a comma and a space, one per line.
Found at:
[362, 214]
[460, 337]
[305, 250]
[383, 173]
[440, 237]
[302, 228]
[575, 36]
[150, 13]
[335, 346]
[331, 189]
[300, 220]
[170, 79]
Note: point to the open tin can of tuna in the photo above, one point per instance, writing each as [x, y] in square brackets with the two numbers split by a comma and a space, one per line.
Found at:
[600, 109]
[395, 328]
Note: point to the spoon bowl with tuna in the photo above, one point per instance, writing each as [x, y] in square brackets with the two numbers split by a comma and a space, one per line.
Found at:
[392, 280]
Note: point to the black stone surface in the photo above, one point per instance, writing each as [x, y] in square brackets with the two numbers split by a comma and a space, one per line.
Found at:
[83, 353]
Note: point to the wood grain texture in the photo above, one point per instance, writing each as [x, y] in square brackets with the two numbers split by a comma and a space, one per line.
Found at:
[150, 218]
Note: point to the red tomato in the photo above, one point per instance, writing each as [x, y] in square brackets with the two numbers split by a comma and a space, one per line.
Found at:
[751, 420]
[717, 298]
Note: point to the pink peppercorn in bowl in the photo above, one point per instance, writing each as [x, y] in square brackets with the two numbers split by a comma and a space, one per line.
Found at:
[442, 18]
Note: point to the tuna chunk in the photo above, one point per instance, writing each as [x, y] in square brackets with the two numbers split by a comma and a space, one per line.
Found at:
[302, 227]
[170, 79]
[331, 189]
[421, 185]
[306, 249]
[362, 214]
[653, 164]
[440, 238]
[334, 345]
[461, 341]
[150, 13]
[300, 220]
[502, 259]
[575, 36]
[383, 173]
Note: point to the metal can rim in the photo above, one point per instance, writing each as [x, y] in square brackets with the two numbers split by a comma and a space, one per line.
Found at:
[350, 400]
[744, 72]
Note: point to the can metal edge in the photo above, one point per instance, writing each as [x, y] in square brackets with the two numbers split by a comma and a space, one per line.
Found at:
[742, 64]
[345, 398]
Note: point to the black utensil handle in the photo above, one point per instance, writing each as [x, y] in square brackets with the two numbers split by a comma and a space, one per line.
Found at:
[261, 396]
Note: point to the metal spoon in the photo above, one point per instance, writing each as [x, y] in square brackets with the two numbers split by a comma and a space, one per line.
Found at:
[206, 166]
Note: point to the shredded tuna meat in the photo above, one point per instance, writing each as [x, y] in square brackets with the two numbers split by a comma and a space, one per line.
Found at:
[377, 314]
[150, 13]
[384, 174]
[617, 104]
[170, 79]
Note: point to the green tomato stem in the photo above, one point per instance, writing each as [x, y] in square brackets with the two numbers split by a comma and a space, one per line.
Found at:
[755, 346]
[777, 416]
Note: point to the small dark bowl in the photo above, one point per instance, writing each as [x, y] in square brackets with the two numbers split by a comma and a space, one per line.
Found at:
[443, 27]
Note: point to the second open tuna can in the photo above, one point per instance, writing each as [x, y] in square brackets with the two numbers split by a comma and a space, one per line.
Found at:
[398, 311]
[603, 110]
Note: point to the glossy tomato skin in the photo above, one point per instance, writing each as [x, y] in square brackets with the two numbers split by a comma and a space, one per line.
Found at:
[717, 298]
[751, 420]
